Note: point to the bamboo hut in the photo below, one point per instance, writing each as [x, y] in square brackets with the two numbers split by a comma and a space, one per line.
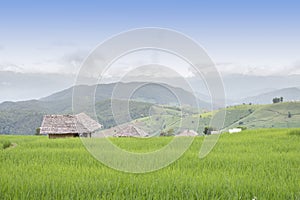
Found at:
[131, 131]
[187, 133]
[61, 126]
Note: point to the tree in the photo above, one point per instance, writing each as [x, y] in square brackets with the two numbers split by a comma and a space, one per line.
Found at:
[207, 130]
[37, 131]
[277, 100]
[242, 127]
[170, 132]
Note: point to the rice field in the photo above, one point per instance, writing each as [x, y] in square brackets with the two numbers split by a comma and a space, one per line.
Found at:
[254, 164]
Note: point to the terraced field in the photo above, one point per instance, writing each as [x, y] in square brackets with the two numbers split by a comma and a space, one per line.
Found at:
[253, 164]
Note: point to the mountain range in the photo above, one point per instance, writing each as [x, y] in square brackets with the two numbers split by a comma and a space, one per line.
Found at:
[26, 86]
[288, 94]
[23, 117]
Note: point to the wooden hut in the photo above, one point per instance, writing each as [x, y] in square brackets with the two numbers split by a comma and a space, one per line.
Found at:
[131, 131]
[60, 126]
[187, 133]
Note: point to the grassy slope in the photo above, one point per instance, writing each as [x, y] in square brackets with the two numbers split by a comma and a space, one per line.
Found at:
[24, 117]
[22, 121]
[261, 163]
[250, 116]
[272, 116]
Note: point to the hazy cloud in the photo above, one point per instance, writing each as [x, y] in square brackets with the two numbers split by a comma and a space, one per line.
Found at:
[259, 70]
[68, 63]
[295, 68]
[73, 60]
[11, 67]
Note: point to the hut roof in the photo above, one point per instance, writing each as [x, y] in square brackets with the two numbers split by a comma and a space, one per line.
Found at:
[131, 131]
[189, 133]
[63, 124]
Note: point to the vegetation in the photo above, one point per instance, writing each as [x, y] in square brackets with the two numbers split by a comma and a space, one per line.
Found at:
[5, 144]
[277, 99]
[170, 132]
[245, 116]
[208, 130]
[25, 117]
[294, 132]
[254, 163]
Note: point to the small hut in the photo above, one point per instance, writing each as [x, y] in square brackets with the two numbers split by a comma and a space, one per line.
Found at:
[131, 131]
[235, 130]
[60, 126]
[187, 133]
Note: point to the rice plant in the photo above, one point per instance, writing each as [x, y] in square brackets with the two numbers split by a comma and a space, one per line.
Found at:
[261, 164]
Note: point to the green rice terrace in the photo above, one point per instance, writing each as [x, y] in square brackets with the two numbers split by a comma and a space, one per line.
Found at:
[281, 115]
[253, 164]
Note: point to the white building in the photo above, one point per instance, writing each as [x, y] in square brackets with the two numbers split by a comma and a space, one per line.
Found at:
[235, 130]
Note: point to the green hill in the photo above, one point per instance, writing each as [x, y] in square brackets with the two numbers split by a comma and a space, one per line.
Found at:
[248, 116]
[263, 116]
[289, 94]
[272, 116]
[23, 118]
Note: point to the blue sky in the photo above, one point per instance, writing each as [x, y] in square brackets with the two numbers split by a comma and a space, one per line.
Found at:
[241, 36]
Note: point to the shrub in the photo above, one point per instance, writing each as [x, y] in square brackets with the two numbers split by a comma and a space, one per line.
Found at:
[170, 132]
[38, 131]
[6, 144]
[208, 130]
[242, 127]
[294, 132]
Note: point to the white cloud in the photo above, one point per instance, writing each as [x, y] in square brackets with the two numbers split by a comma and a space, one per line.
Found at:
[259, 70]
[11, 67]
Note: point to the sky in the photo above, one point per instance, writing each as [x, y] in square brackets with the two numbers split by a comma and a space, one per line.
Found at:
[247, 37]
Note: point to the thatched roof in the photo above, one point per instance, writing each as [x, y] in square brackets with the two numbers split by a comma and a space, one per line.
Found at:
[131, 131]
[72, 124]
[189, 133]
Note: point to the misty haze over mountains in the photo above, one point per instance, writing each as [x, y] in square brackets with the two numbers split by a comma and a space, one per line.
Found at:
[238, 88]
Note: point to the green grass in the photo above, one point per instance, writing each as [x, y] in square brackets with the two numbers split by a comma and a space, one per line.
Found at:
[294, 132]
[254, 163]
[5, 144]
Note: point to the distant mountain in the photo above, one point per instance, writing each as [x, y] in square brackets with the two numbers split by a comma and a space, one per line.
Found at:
[145, 92]
[25, 116]
[288, 94]
[239, 86]
[25, 86]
